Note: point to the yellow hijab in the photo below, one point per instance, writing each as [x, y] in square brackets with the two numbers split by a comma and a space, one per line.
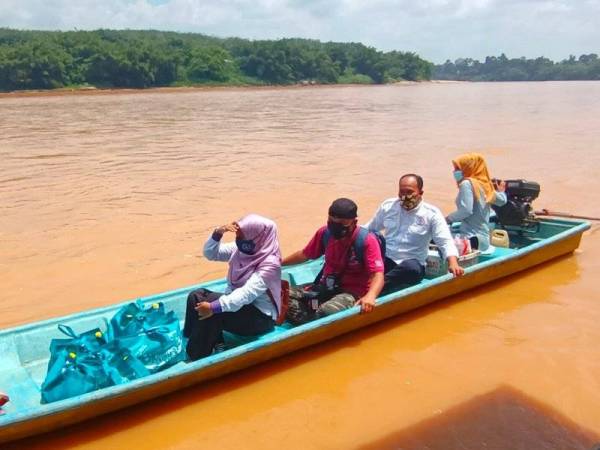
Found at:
[474, 169]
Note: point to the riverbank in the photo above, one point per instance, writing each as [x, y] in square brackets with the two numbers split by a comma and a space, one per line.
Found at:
[90, 90]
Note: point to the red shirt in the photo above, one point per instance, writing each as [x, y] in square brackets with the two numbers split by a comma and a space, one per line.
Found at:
[340, 253]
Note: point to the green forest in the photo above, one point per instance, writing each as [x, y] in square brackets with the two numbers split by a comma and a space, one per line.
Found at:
[143, 59]
[501, 68]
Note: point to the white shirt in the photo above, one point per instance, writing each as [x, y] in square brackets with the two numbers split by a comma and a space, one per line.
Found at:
[408, 233]
[253, 291]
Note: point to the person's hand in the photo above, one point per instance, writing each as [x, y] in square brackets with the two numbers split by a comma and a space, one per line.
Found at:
[204, 310]
[231, 227]
[499, 185]
[367, 303]
[455, 269]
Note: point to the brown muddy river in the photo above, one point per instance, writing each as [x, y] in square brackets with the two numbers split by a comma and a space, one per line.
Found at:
[105, 198]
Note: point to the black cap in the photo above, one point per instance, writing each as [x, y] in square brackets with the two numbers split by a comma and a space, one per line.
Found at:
[343, 208]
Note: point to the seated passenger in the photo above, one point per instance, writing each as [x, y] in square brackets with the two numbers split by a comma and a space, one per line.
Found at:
[475, 195]
[252, 299]
[350, 275]
[409, 225]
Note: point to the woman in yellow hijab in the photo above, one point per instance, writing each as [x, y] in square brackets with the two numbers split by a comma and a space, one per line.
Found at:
[475, 195]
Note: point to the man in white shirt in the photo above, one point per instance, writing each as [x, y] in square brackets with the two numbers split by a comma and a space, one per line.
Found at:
[409, 225]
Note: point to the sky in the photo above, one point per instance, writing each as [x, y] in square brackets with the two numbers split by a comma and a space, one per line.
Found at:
[435, 29]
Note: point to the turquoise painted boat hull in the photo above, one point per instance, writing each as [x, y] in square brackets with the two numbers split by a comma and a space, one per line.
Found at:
[24, 350]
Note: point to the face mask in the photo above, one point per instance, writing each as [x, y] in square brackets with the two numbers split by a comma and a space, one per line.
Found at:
[338, 230]
[458, 175]
[409, 201]
[246, 246]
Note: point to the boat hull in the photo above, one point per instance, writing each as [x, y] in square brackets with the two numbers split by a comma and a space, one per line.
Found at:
[101, 402]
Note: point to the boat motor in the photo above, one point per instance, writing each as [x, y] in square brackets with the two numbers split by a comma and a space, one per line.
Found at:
[518, 211]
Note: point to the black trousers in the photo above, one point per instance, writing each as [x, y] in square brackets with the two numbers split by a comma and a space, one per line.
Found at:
[397, 276]
[204, 334]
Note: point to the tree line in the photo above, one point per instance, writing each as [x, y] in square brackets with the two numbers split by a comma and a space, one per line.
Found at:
[586, 67]
[142, 59]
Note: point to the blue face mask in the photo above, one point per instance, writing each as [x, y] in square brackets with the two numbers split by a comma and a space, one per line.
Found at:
[246, 246]
[458, 175]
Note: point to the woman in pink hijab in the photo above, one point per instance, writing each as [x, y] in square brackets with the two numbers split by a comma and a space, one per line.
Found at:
[251, 303]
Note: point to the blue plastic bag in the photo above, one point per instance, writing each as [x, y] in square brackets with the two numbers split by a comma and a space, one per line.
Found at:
[121, 365]
[152, 336]
[137, 342]
[90, 341]
[75, 366]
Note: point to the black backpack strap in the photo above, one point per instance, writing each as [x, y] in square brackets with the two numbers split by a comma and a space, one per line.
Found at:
[360, 244]
[324, 240]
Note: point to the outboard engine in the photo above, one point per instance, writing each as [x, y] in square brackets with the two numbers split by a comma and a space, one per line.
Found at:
[518, 211]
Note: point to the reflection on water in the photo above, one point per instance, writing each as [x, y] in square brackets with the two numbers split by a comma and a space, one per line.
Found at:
[109, 197]
[501, 419]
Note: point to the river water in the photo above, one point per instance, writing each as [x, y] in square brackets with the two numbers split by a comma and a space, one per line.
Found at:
[109, 197]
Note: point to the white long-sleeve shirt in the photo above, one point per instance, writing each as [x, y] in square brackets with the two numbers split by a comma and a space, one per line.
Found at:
[474, 216]
[408, 233]
[253, 291]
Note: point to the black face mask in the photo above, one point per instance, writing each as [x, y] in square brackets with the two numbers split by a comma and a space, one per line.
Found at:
[338, 230]
[246, 246]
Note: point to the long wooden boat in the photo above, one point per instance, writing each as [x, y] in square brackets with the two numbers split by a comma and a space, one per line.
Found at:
[24, 350]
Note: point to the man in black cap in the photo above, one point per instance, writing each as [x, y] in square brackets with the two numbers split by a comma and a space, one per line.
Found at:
[353, 269]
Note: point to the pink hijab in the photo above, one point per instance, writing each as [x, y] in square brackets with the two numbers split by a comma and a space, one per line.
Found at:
[266, 260]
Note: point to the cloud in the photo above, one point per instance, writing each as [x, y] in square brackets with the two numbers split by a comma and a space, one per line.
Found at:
[436, 29]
